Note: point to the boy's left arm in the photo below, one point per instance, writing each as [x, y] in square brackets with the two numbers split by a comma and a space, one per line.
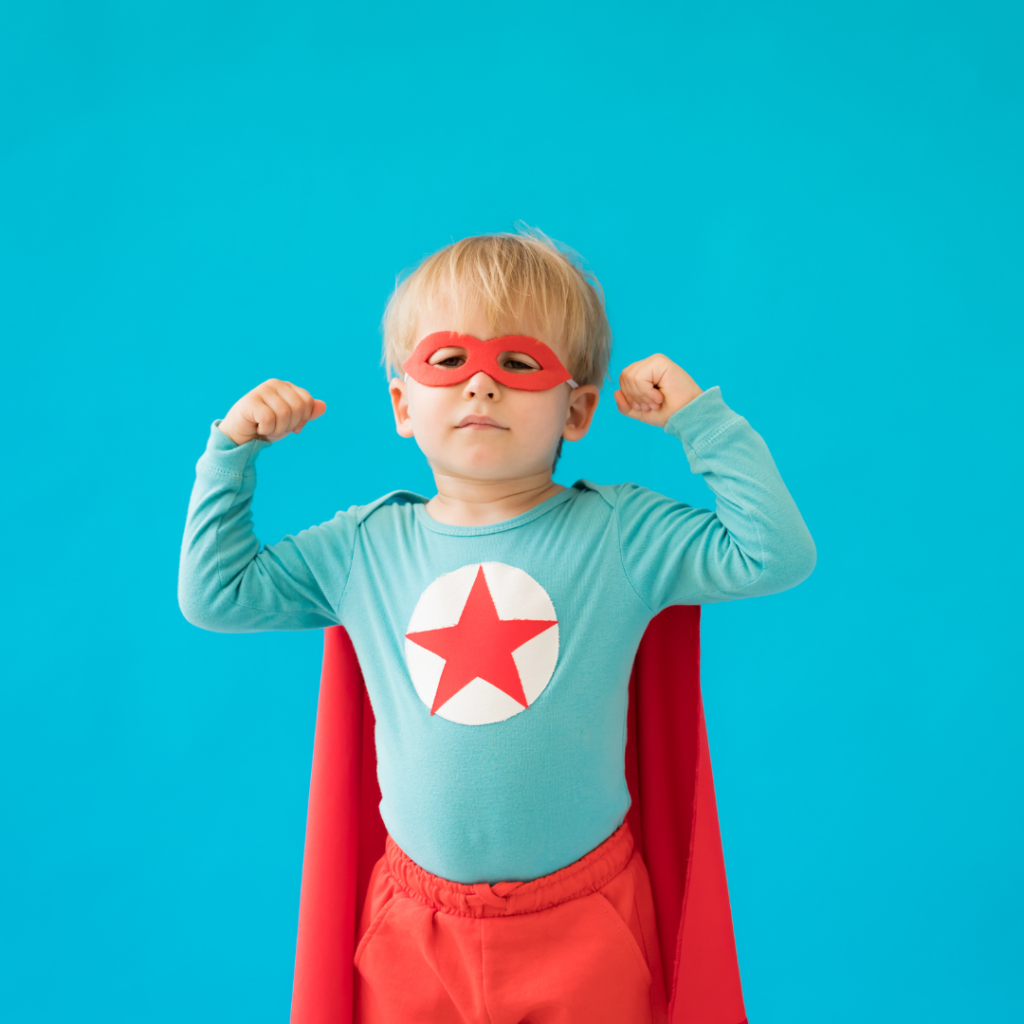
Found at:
[755, 542]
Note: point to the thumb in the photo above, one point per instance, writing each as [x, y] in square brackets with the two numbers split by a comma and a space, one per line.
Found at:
[319, 408]
[624, 407]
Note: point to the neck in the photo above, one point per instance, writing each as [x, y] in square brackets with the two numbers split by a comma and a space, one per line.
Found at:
[463, 501]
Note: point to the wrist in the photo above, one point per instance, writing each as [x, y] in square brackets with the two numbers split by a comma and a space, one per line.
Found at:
[238, 441]
[234, 432]
[681, 401]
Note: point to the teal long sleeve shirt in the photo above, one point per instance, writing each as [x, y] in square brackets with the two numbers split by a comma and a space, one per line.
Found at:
[497, 657]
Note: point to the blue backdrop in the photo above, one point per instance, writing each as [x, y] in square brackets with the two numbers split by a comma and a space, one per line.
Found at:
[815, 205]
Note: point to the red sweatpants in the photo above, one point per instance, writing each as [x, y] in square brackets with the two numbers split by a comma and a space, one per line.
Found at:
[575, 947]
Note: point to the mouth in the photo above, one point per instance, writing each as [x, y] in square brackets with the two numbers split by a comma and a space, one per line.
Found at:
[479, 423]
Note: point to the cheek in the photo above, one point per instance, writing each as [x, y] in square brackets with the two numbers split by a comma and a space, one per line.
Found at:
[430, 408]
[540, 413]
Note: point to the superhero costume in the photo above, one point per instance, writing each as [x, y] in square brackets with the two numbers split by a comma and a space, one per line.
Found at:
[511, 617]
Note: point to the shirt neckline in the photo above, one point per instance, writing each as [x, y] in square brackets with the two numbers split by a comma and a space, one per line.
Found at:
[427, 521]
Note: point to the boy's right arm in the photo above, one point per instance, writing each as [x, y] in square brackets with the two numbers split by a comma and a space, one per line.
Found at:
[226, 583]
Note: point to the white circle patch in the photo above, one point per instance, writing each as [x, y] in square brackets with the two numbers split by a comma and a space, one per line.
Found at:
[482, 643]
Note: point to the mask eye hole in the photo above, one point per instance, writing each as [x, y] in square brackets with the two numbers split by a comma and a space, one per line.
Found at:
[518, 362]
[449, 358]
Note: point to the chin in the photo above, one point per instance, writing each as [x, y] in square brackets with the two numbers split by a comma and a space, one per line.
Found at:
[484, 465]
[483, 461]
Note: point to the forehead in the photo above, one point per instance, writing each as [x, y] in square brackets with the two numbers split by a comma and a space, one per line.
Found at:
[471, 316]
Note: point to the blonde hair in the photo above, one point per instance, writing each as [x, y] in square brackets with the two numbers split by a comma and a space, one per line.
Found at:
[512, 276]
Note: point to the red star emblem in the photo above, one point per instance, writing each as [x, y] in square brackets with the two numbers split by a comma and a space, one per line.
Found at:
[481, 645]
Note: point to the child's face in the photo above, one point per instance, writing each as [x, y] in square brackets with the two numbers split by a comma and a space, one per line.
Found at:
[480, 429]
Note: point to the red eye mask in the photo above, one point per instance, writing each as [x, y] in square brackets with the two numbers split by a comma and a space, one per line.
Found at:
[484, 355]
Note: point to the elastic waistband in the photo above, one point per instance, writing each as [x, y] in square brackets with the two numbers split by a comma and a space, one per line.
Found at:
[589, 874]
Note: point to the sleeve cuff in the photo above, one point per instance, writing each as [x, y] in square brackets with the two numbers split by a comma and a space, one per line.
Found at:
[701, 422]
[225, 458]
[220, 442]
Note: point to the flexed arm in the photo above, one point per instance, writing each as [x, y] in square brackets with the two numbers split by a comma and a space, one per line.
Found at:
[225, 582]
[755, 542]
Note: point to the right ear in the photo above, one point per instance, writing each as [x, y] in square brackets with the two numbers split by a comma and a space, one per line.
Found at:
[399, 391]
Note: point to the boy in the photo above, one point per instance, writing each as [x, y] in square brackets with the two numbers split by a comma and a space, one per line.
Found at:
[496, 624]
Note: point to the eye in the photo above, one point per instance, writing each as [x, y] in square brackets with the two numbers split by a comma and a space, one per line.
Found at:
[518, 362]
[450, 358]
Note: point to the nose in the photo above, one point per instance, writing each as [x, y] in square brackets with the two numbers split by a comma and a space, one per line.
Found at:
[480, 385]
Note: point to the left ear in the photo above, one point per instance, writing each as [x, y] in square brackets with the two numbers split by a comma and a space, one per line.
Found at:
[580, 414]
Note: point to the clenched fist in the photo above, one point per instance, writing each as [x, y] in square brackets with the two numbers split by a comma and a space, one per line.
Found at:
[275, 408]
[653, 389]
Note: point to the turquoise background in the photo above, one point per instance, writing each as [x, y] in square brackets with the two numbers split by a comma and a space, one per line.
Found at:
[816, 205]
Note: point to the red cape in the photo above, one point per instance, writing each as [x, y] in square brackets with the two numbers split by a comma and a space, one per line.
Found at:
[673, 818]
